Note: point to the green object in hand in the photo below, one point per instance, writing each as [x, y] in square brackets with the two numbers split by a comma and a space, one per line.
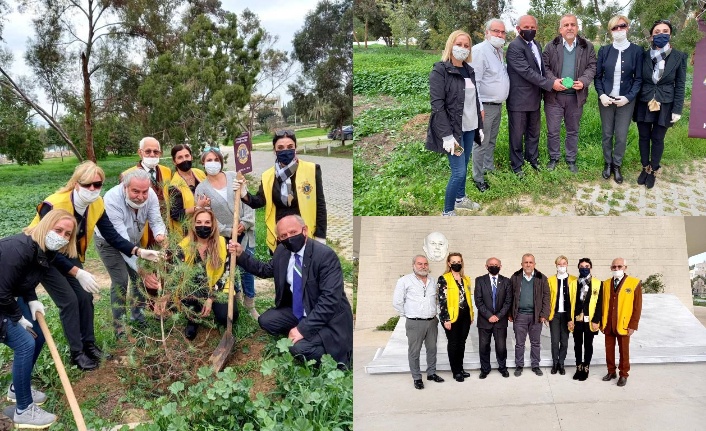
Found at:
[567, 82]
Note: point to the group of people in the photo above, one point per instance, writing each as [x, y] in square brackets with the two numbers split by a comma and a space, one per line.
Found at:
[528, 299]
[134, 219]
[470, 84]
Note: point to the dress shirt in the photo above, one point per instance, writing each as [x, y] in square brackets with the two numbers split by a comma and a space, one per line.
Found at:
[526, 277]
[414, 299]
[569, 47]
[537, 56]
[290, 270]
[560, 287]
[491, 73]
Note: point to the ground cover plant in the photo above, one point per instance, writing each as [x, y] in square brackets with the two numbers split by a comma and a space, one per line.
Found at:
[393, 174]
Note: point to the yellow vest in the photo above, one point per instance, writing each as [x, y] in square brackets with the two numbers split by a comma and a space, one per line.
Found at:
[452, 295]
[595, 290]
[626, 297]
[187, 196]
[554, 292]
[63, 201]
[166, 175]
[306, 198]
[213, 274]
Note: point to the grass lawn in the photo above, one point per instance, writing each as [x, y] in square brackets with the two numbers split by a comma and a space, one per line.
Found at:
[301, 133]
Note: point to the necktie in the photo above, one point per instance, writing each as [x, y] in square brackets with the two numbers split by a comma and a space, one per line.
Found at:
[615, 284]
[297, 294]
[495, 288]
[153, 175]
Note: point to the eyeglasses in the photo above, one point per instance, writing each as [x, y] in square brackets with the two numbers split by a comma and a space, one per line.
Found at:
[619, 26]
[614, 267]
[152, 152]
[497, 31]
[285, 132]
[95, 185]
[662, 21]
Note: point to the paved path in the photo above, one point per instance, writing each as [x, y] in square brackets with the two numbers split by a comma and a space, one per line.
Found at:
[338, 189]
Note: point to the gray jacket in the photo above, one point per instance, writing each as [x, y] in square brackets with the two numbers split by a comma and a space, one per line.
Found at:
[585, 71]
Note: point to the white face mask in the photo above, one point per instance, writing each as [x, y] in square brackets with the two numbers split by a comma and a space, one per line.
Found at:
[619, 36]
[88, 196]
[134, 205]
[618, 273]
[561, 270]
[53, 241]
[497, 42]
[460, 53]
[150, 162]
[212, 168]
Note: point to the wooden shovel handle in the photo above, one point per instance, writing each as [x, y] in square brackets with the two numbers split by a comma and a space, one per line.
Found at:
[233, 266]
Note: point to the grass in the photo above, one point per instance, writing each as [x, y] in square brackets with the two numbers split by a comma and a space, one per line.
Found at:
[302, 133]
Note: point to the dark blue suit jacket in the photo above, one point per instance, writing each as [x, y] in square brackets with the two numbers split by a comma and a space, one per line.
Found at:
[526, 77]
[630, 70]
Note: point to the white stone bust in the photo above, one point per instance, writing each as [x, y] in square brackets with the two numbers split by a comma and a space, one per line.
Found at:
[436, 247]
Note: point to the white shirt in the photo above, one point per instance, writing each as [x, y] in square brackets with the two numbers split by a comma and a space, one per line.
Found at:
[491, 73]
[561, 295]
[528, 278]
[415, 299]
[537, 56]
[290, 270]
[569, 47]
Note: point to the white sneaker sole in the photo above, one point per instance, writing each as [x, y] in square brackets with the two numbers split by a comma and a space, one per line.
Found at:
[14, 400]
[33, 427]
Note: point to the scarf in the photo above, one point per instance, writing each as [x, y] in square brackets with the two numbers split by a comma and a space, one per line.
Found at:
[621, 46]
[585, 284]
[659, 57]
[284, 175]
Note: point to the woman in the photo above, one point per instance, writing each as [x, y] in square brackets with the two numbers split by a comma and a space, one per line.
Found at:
[219, 195]
[455, 311]
[618, 80]
[456, 116]
[181, 191]
[559, 315]
[204, 247]
[68, 284]
[25, 258]
[587, 311]
[661, 98]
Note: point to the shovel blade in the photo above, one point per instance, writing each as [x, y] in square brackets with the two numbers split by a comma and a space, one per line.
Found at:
[220, 355]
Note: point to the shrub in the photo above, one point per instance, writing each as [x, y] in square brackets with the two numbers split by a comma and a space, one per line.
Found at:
[653, 284]
[389, 325]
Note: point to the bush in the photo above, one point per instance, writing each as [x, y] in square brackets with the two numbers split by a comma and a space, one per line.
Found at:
[653, 284]
[389, 325]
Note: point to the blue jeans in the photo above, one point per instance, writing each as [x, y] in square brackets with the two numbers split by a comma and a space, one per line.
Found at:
[39, 341]
[456, 188]
[247, 279]
[24, 346]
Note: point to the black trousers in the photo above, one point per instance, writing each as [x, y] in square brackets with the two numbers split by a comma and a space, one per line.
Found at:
[559, 331]
[583, 336]
[524, 124]
[219, 310]
[651, 155]
[457, 340]
[279, 321]
[500, 337]
[75, 306]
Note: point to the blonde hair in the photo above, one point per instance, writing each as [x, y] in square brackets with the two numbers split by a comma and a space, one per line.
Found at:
[83, 174]
[448, 260]
[213, 259]
[446, 55]
[615, 20]
[560, 258]
[47, 223]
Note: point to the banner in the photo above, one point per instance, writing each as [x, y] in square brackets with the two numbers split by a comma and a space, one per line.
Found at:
[242, 148]
[697, 120]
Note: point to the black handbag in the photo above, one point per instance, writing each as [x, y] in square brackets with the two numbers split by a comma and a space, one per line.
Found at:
[4, 321]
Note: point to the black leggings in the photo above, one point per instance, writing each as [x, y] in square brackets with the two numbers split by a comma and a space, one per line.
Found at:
[655, 133]
[219, 310]
[457, 340]
[583, 335]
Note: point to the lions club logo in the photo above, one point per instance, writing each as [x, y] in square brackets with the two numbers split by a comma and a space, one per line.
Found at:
[306, 188]
[243, 154]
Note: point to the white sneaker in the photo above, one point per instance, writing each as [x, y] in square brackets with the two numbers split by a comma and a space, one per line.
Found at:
[33, 418]
[38, 397]
[451, 213]
[467, 204]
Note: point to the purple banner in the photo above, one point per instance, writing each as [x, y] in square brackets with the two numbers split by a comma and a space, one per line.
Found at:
[242, 146]
[697, 120]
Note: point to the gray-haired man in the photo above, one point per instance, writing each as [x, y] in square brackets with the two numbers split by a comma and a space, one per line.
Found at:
[415, 300]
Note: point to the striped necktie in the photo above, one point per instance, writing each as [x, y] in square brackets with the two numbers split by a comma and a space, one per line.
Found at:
[297, 294]
[495, 289]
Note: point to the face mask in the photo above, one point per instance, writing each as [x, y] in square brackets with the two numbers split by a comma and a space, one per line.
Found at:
[528, 35]
[294, 243]
[618, 273]
[134, 205]
[184, 166]
[88, 196]
[561, 270]
[53, 241]
[619, 36]
[497, 42]
[285, 157]
[456, 267]
[460, 53]
[660, 40]
[203, 232]
[584, 272]
[150, 162]
[494, 270]
[212, 168]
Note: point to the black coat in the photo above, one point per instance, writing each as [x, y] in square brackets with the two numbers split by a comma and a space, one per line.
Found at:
[447, 89]
[527, 80]
[669, 89]
[630, 70]
[541, 295]
[483, 296]
[22, 265]
[328, 312]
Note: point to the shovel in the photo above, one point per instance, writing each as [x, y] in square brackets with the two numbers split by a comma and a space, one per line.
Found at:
[220, 355]
[68, 390]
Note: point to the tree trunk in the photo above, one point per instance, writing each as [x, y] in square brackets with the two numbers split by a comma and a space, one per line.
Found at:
[88, 120]
[366, 32]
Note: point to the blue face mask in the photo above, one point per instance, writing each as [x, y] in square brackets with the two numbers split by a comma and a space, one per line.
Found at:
[285, 157]
[660, 40]
[584, 272]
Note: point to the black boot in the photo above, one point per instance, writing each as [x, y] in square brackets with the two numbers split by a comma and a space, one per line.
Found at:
[643, 175]
[584, 373]
[578, 372]
[191, 330]
[82, 361]
[617, 175]
[650, 180]
[606, 171]
[93, 352]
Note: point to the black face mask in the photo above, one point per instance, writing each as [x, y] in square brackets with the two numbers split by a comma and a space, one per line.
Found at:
[184, 166]
[528, 35]
[294, 243]
[285, 157]
[494, 270]
[584, 272]
[203, 232]
[456, 267]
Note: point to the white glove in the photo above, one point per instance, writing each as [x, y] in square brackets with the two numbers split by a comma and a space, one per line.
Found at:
[480, 133]
[675, 118]
[622, 101]
[242, 186]
[36, 307]
[151, 255]
[605, 99]
[449, 143]
[87, 280]
[25, 324]
[321, 240]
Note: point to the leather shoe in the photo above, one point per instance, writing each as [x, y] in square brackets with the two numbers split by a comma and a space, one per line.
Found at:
[435, 378]
[82, 361]
[643, 175]
[465, 374]
[562, 370]
[573, 168]
[505, 373]
[551, 165]
[555, 367]
[608, 377]
[537, 371]
[650, 180]
[482, 186]
[535, 166]
[606, 171]
[482, 375]
[578, 372]
[622, 381]
[93, 352]
[459, 377]
[419, 384]
[518, 371]
[617, 175]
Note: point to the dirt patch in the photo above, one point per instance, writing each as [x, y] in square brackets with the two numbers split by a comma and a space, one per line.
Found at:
[416, 128]
[363, 103]
[374, 149]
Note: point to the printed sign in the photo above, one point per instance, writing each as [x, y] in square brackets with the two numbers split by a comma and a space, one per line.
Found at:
[697, 120]
[242, 148]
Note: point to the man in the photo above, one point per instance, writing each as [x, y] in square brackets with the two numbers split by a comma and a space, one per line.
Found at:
[567, 56]
[493, 296]
[129, 206]
[436, 246]
[525, 69]
[149, 151]
[291, 186]
[622, 306]
[530, 309]
[415, 300]
[493, 88]
[311, 307]
[560, 312]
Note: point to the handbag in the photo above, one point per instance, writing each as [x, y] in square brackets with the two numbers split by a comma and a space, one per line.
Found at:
[4, 321]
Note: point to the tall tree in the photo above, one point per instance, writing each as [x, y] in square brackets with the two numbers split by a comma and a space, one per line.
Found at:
[19, 139]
